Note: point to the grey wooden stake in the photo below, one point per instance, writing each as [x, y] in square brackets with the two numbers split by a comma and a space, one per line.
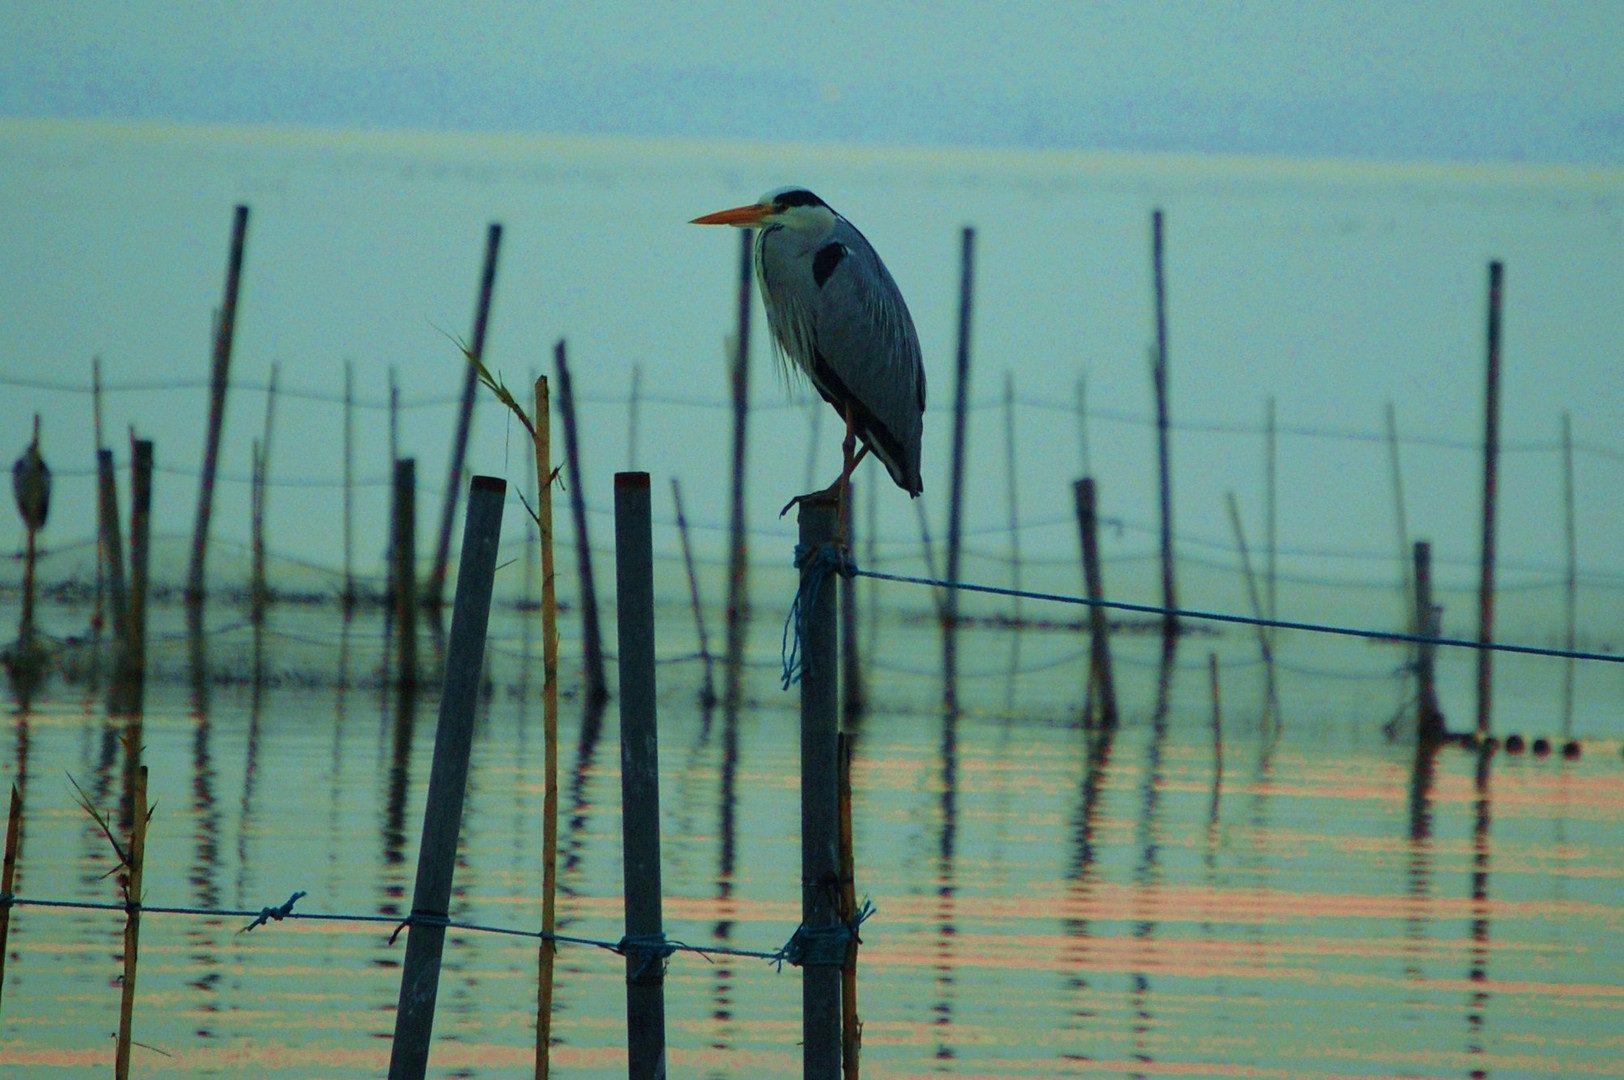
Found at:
[219, 376]
[403, 552]
[955, 511]
[1491, 467]
[1429, 719]
[820, 799]
[112, 545]
[707, 692]
[348, 600]
[639, 779]
[1102, 684]
[448, 779]
[465, 418]
[597, 686]
[738, 593]
[141, 462]
[1571, 591]
[1170, 621]
[1264, 638]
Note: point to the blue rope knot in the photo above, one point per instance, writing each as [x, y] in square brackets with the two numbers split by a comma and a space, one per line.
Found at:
[267, 914]
[651, 949]
[822, 946]
[815, 564]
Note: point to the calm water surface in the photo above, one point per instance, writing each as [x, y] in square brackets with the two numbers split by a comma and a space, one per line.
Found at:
[1173, 900]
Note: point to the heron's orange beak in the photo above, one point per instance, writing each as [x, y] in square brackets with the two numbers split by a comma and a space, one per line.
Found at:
[742, 216]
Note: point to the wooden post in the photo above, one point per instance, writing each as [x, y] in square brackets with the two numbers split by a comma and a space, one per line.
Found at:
[851, 659]
[448, 778]
[219, 376]
[639, 779]
[820, 801]
[435, 592]
[707, 692]
[1263, 636]
[256, 534]
[597, 687]
[403, 551]
[1271, 516]
[132, 916]
[1429, 719]
[955, 512]
[348, 600]
[1491, 466]
[851, 1026]
[112, 545]
[1170, 621]
[547, 951]
[141, 463]
[1102, 683]
[738, 601]
[1571, 589]
[8, 875]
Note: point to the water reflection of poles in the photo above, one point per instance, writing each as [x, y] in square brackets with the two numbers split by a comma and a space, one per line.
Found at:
[205, 862]
[1147, 873]
[1478, 1002]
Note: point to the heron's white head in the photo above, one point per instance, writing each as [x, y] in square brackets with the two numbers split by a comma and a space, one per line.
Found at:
[793, 207]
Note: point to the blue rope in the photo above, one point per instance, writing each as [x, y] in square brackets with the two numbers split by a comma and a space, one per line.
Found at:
[823, 946]
[1243, 620]
[815, 564]
[651, 949]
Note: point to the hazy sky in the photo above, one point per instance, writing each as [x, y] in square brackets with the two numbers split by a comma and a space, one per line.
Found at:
[1452, 79]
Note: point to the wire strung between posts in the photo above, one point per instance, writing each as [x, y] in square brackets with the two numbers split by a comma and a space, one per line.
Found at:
[815, 564]
[1243, 620]
[652, 947]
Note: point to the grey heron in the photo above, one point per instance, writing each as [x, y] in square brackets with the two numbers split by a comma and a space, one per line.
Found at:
[837, 315]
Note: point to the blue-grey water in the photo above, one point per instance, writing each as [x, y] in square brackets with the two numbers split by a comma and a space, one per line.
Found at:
[1183, 897]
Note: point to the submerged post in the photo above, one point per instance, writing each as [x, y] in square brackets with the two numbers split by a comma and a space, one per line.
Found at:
[140, 558]
[639, 780]
[219, 374]
[1100, 678]
[1170, 620]
[448, 779]
[1491, 466]
[820, 799]
[403, 549]
[112, 545]
[597, 688]
[955, 512]
[1429, 719]
[465, 418]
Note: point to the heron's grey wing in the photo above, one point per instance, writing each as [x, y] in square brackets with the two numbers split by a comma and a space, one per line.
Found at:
[866, 339]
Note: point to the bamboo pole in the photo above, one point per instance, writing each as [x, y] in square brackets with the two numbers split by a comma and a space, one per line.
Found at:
[1271, 515]
[738, 598]
[219, 377]
[955, 513]
[132, 918]
[541, 437]
[1491, 467]
[1170, 621]
[597, 686]
[435, 592]
[707, 692]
